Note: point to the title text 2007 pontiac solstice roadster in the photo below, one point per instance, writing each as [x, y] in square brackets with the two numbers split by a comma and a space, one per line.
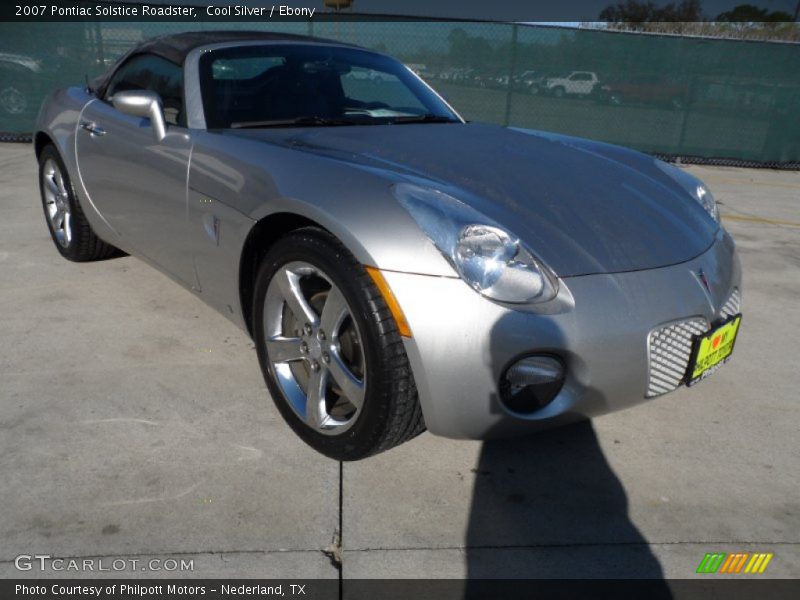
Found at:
[398, 267]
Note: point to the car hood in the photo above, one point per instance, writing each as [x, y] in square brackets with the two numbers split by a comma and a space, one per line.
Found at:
[583, 207]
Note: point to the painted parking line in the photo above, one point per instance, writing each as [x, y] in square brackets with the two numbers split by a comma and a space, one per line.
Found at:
[762, 220]
[732, 181]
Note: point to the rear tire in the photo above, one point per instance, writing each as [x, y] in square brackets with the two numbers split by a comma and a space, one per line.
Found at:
[338, 370]
[71, 233]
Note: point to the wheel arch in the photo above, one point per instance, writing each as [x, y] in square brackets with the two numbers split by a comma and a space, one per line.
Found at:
[40, 140]
[259, 240]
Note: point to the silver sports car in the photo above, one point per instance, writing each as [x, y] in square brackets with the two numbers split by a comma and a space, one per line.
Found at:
[397, 267]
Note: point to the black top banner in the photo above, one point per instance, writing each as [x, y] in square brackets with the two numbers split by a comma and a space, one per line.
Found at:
[541, 11]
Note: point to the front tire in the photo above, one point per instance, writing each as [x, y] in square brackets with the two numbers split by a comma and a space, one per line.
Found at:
[330, 351]
[72, 235]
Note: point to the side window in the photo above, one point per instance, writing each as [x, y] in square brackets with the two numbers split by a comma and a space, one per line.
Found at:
[149, 72]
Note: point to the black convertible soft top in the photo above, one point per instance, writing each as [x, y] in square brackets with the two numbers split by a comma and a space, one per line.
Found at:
[175, 46]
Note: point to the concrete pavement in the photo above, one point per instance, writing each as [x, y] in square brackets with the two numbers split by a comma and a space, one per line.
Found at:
[135, 423]
[640, 493]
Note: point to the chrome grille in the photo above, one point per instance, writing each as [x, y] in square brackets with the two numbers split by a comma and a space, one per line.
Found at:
[669, 349]
[732, 305]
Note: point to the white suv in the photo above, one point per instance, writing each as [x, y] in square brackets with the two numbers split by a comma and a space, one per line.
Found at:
[578, 83]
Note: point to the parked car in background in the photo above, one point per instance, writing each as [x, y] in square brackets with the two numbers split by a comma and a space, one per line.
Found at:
[420, 69]
[644, 89]
[491, 81]
[481, 80]
[369, 75]
[529, 81]
[577, 83]
[457, 75]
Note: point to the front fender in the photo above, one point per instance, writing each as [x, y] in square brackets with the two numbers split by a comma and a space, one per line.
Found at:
[58, 119]
[354, 203]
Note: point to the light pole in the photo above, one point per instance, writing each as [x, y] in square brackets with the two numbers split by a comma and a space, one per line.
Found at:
[338, 4]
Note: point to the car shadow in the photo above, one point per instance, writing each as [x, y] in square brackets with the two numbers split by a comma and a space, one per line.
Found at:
[549, 505]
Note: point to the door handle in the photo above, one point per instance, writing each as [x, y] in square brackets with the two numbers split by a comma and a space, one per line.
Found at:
[92, 128]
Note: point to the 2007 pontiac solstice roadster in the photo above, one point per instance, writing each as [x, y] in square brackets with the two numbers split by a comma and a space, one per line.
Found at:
[398, 267]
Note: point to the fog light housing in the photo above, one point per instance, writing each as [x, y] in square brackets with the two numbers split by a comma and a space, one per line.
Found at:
[531, 383]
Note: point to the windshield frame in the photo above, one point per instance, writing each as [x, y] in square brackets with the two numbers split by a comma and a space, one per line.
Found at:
[195, 108]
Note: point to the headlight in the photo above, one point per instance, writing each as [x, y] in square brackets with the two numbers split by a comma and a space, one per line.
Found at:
[487, 257]
[693, 186]
[707, 201]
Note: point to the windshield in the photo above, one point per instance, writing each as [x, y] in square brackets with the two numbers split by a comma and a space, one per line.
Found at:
[312, 85]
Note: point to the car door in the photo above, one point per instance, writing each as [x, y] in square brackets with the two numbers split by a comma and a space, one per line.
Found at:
[581, 83]
[138, 183]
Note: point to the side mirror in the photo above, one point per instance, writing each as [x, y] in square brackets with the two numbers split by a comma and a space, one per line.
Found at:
[143, 103]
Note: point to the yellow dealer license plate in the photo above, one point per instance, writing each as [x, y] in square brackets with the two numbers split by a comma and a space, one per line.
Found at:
[712, 350]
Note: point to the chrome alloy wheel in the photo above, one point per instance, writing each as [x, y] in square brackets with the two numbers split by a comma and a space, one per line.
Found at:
[314, 348]
[56, 202]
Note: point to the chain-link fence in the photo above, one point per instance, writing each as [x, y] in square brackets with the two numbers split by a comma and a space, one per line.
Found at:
[673, 96]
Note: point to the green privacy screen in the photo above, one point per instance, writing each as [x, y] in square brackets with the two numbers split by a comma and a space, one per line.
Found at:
[670, 95]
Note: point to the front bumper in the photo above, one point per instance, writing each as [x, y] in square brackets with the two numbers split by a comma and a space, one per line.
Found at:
[462, 342]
